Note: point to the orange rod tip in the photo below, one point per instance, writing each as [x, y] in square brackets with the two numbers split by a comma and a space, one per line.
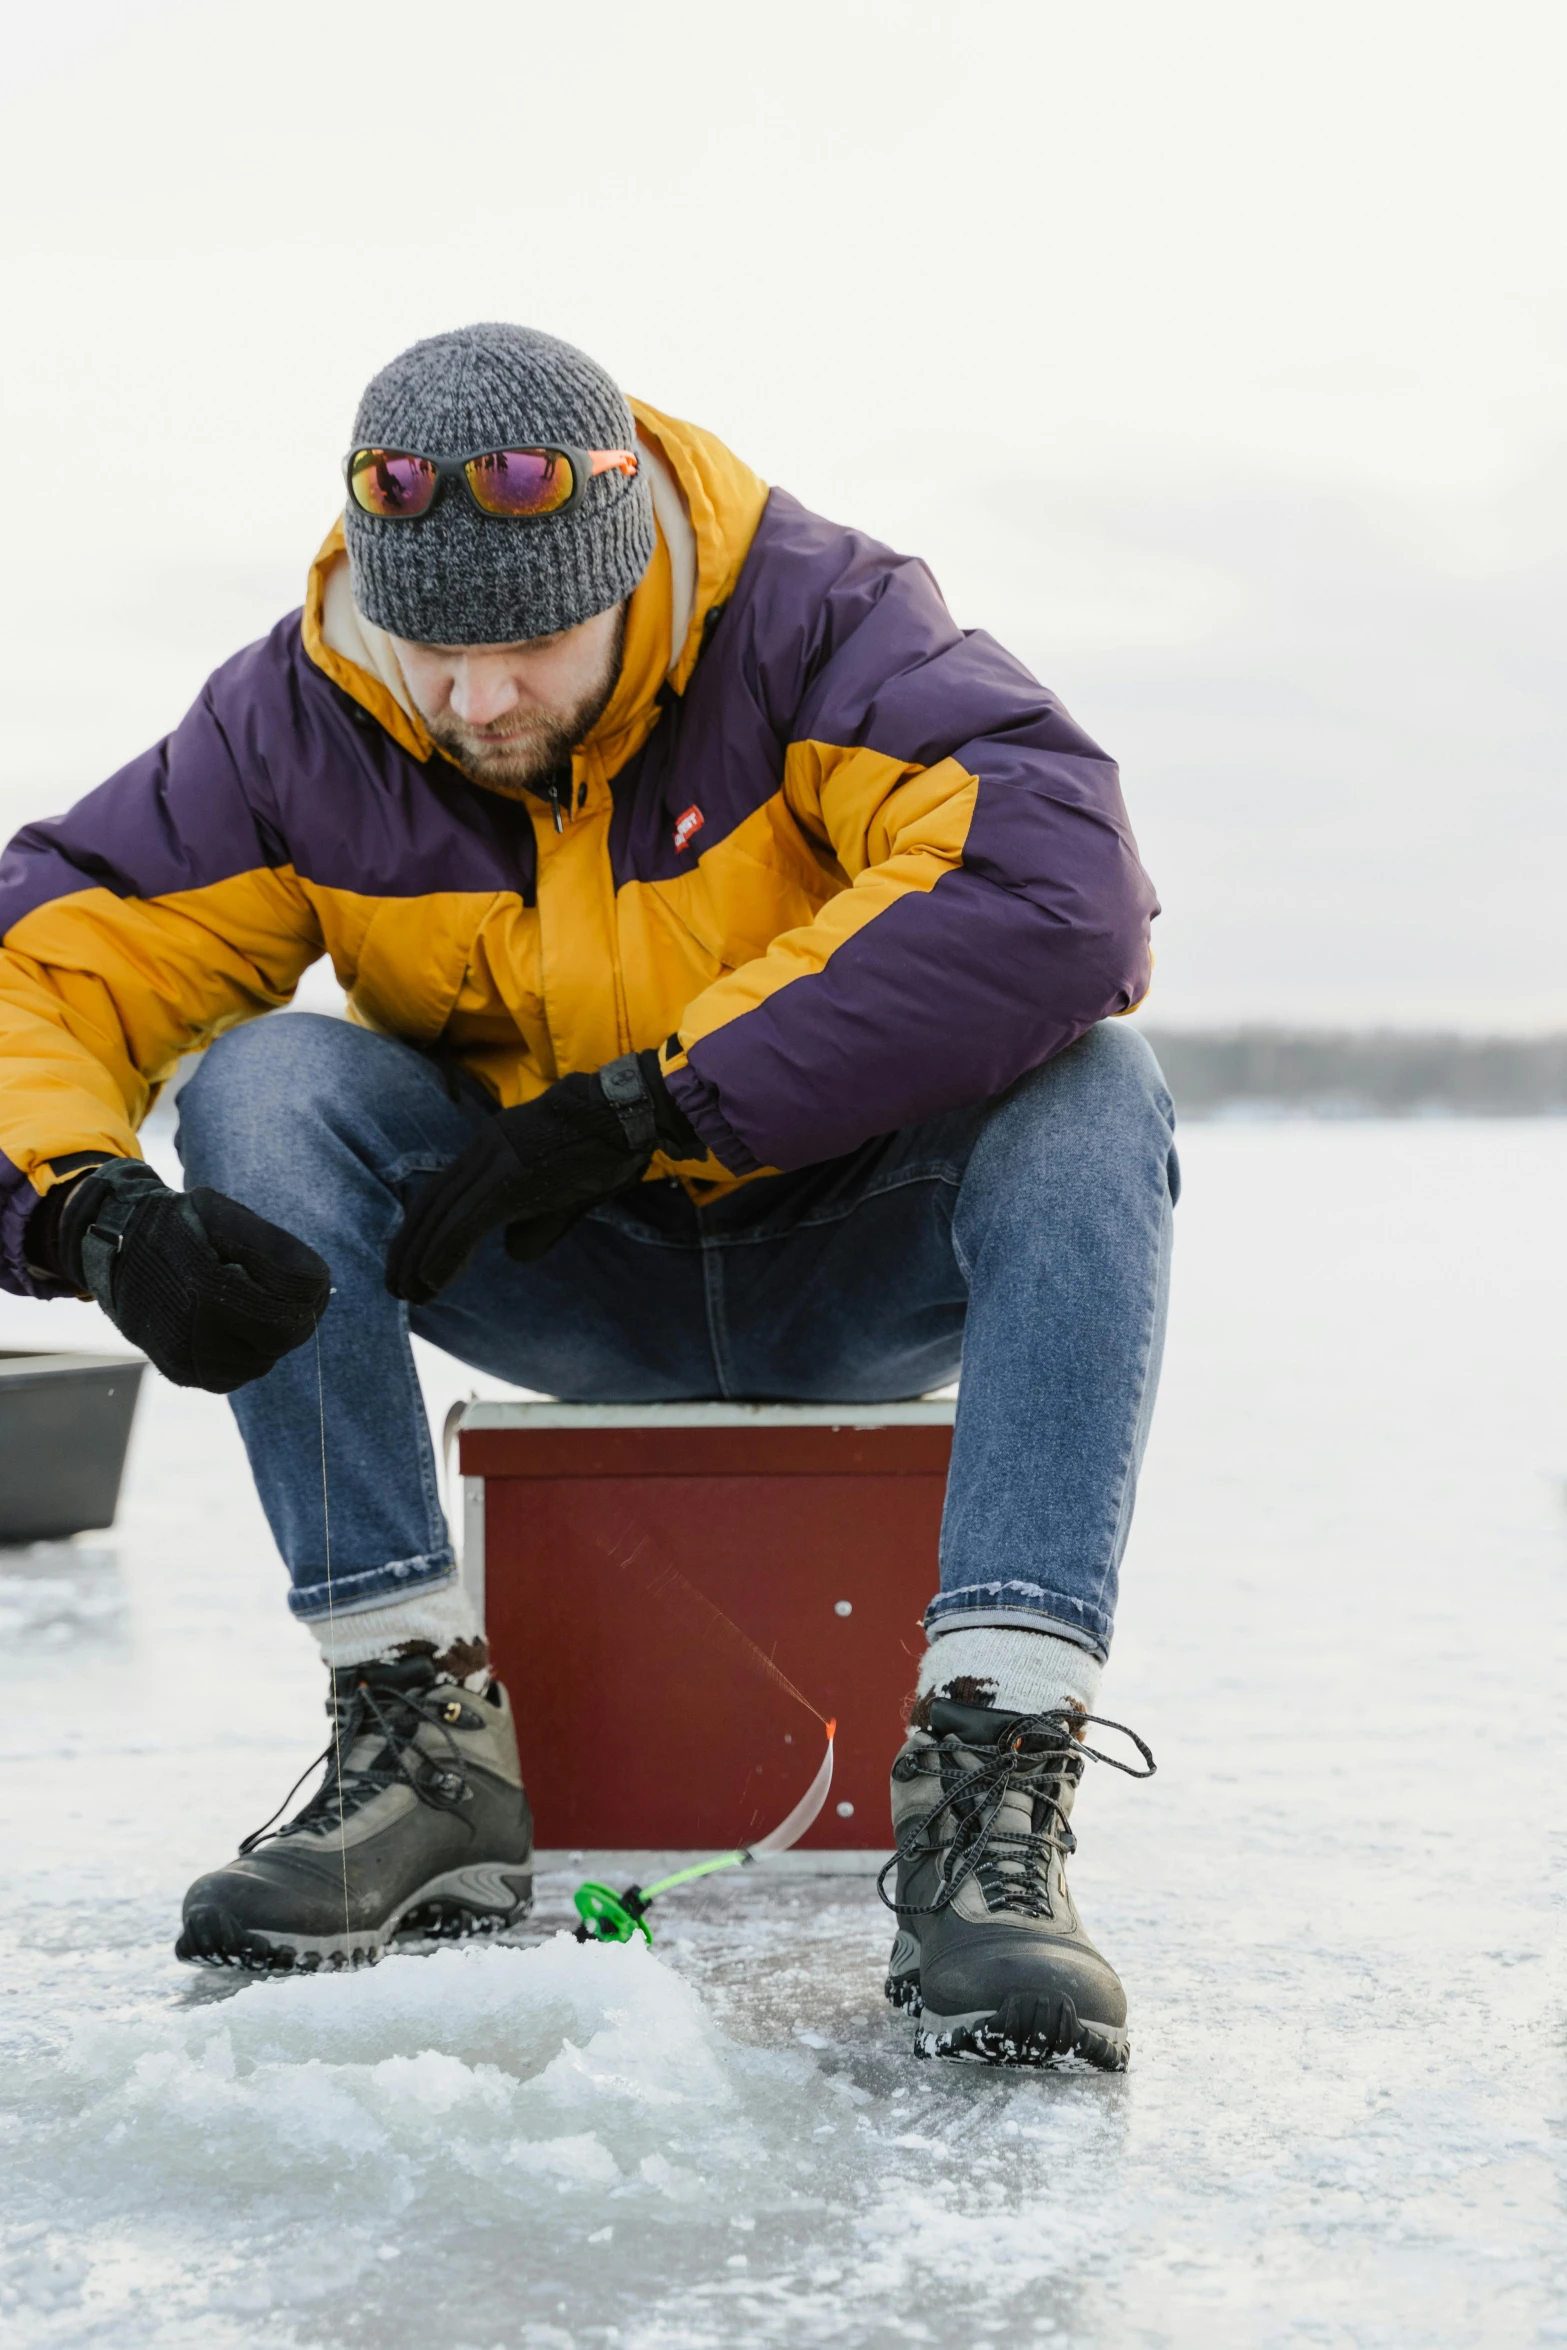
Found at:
[832, 1728]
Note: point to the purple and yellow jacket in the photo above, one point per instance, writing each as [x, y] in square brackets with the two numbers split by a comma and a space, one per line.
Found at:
[847, 864]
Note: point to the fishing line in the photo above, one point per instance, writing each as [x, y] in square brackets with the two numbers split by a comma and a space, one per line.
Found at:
[331, 1633]
[667, 1578]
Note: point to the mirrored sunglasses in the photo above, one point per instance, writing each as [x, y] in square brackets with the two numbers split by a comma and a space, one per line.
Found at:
[396, 485]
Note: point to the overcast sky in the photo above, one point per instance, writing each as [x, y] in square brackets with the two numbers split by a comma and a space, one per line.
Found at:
[1213, 355]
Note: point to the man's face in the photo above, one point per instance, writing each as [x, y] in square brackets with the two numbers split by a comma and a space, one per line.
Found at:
[509, 714]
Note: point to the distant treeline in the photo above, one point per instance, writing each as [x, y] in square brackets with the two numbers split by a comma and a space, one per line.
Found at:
[1362, 1073]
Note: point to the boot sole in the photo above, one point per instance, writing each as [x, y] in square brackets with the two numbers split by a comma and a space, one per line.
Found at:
[902, 1987]
[454, 1906]
[1029, 2028]
[903, 1993]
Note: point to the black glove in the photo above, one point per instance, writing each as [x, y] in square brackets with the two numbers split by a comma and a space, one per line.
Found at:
[212, 1293]
[536, 1169]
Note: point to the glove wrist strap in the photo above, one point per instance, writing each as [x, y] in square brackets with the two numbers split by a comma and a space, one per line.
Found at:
[119, 1195]
[625, 1089]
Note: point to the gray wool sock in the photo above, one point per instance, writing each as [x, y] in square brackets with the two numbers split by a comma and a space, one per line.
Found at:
[442, 1623]
[1017, 1672]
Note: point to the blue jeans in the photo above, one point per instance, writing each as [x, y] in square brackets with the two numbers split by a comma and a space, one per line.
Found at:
[1027, 1237]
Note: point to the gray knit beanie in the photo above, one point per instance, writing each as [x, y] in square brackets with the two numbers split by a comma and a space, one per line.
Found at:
[458, 577]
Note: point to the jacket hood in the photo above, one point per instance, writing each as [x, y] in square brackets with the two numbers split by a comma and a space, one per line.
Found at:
[706, 504]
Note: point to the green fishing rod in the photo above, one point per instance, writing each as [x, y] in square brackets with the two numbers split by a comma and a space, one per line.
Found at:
[608, 1916]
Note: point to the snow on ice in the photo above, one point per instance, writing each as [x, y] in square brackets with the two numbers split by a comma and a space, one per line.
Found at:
[1338, 1907]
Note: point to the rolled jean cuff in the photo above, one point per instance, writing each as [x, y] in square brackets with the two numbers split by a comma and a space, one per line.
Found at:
[1021, 1607]
[346, 1594]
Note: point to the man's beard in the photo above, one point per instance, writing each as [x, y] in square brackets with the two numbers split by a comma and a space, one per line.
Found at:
[528, 745]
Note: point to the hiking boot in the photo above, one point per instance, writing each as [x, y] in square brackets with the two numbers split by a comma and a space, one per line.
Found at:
[991, 1957]
[419, 1828]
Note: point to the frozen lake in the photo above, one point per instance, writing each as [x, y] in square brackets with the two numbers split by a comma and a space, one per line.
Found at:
[1338, 1908]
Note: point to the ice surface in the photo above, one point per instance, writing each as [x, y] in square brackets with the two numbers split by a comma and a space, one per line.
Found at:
[1338, 1908]
[59, 1593]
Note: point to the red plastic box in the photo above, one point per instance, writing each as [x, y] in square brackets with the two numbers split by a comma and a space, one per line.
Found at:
[602, 1538]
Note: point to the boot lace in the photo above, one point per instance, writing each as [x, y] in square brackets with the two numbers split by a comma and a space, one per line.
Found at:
[399, 1715]
[1013, 1867]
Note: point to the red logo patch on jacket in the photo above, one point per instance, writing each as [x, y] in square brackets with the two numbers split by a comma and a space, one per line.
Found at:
[692, 821]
